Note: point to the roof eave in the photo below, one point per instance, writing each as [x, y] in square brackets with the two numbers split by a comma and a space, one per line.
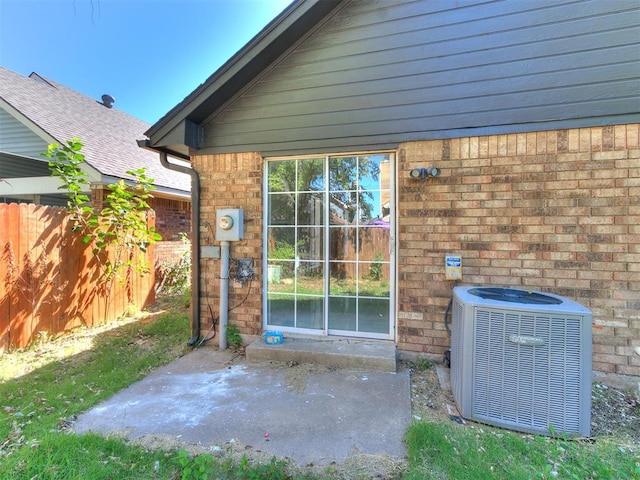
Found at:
[288, 27]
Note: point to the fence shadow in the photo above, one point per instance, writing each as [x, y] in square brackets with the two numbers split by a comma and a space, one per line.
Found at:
[50, 281]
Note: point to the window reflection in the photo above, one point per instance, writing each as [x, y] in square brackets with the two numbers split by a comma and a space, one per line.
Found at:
[310, 243]
[310, 174]
[338, 206]
[310, 209]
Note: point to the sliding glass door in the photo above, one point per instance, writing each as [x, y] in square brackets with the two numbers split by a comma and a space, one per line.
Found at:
[329, 237]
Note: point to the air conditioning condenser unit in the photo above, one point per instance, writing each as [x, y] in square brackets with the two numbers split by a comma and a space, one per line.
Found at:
[521, 360]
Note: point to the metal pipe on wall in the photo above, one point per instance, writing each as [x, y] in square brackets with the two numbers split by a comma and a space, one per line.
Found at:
[195, 243]
[224, 292]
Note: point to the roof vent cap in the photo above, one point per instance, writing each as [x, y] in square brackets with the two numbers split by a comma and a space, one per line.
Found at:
[108, 100]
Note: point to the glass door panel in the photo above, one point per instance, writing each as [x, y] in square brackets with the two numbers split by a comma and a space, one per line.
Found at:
[329, 266]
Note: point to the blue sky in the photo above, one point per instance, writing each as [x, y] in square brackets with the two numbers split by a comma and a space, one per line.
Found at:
[148, 54]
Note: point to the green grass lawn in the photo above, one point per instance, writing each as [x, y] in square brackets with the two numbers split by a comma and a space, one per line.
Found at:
[38, 407]
[450, 451]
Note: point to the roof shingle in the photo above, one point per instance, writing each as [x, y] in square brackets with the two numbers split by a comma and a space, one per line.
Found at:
[108, 134]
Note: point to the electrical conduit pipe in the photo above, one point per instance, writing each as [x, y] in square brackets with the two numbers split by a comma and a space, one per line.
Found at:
[224, 292]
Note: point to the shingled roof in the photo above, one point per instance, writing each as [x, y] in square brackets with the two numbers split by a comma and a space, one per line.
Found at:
[108, 134]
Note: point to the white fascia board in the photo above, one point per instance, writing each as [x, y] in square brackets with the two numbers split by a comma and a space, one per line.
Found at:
[164, 192]
[31, 186]
[158, 191]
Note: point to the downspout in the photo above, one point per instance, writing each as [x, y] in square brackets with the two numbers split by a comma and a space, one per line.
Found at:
[195, 243]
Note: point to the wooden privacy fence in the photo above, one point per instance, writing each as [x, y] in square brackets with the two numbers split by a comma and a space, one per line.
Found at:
[50, 280]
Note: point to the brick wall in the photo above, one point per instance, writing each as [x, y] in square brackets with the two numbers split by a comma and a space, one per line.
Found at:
[556, 211]
[168, 252]
[232, 181]
[172, 217]
[553, 211]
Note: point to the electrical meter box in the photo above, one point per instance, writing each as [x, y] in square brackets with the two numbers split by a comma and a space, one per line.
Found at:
[453, 267]
[229, 224]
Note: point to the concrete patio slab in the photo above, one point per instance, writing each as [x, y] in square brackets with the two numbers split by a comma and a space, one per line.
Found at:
[309, 415]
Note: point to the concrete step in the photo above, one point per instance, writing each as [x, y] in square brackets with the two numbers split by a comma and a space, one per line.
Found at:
[372, 355]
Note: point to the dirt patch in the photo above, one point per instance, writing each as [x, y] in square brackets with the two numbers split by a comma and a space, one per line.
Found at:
[428, 399]
[614, 412]
[297, 375]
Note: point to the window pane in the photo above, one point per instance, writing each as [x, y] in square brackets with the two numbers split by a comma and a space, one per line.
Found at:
[281, 309]
[281, 175]
[310, 209]
[310, 278]
[342, 278]
[282, 241]
[280, 276]
[374, 280]
[374, 243]
[342, 314]
[343, 208]
[310, 243]
[311, 174]
[373, 315]
[368, 206]
[343, 173]
[310, 312]
[343, 242]
[281, 209]
[369, 171]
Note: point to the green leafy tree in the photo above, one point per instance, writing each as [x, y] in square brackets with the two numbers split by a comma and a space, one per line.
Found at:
[121, 226]
[64, 163]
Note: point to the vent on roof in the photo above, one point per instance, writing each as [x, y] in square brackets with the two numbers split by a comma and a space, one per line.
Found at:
[108, 100]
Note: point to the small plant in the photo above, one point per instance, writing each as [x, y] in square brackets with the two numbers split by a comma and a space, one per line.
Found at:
[234, 340]
[195, 468]
[274, 470]
[186, 297]
[421, 364]
[375, 270]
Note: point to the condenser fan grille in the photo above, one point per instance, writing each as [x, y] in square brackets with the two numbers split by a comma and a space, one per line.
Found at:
[534, 386]
[512, 295]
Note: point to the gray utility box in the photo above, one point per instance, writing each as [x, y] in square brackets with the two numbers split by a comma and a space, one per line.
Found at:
[229, 224]
[521, 360]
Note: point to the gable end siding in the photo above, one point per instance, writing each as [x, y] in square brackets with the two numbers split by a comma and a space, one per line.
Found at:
[383, 72]
[17, 139]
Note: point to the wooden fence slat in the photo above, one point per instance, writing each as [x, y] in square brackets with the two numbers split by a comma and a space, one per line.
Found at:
[5, 300]
[49, 279]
